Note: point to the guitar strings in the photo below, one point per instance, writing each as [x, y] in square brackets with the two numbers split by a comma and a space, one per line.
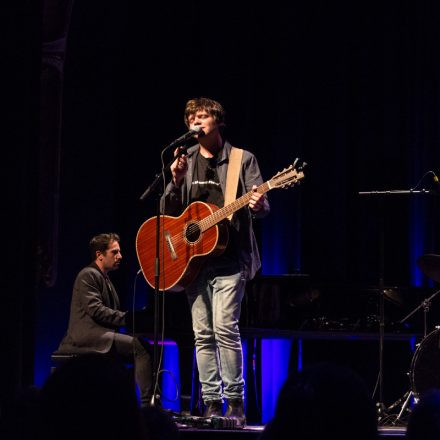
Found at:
[222, 212]
[213, 218]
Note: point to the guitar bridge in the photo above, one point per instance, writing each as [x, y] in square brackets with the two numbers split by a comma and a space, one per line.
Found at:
[170, 245]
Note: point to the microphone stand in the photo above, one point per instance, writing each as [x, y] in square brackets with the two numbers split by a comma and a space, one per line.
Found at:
[397, 191]
[153, 188]
[380, 404]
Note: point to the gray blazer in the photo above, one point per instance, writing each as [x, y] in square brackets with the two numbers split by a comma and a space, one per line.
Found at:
[176, 199]
[94, 314]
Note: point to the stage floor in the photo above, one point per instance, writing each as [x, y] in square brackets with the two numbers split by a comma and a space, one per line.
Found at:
[253, 432]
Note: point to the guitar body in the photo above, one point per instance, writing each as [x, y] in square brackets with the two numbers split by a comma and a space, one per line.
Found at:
[183, 247]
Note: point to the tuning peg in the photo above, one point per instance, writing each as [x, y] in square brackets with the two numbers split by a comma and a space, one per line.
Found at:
[294, 163]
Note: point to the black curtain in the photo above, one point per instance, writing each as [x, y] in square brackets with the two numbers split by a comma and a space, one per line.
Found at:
[351, 88]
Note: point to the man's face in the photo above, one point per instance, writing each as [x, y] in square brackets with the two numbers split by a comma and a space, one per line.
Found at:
[203, 119]
[112, 257]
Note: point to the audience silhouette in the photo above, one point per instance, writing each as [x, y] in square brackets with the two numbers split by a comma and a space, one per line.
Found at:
[323, 401]
[92, 396]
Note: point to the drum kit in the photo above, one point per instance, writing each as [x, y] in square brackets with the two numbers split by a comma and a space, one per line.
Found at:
[424, 372]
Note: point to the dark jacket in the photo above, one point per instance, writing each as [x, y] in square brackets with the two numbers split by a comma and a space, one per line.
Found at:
[176, 199]
[94, 314]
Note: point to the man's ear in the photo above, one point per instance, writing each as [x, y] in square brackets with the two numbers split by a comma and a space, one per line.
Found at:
[99, 255]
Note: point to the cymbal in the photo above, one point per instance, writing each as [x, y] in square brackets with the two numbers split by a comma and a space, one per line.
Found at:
[429, 264]
[394, 295]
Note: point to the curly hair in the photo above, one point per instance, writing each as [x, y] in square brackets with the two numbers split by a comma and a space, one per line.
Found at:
[214, 108]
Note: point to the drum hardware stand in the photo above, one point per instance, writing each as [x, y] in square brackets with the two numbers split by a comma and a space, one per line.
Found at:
[380, 405]
[425, 304]
[406, 399]
[381, 409]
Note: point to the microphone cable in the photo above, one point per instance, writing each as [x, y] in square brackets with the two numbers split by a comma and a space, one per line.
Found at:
[434, 178]
[156, 386]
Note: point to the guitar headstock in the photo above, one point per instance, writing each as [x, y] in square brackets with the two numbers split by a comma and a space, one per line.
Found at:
[289, 176]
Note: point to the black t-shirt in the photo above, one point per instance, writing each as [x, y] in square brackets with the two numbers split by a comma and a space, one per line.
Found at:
[205, 186]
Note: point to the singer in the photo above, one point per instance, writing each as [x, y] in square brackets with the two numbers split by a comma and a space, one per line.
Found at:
[215, 295]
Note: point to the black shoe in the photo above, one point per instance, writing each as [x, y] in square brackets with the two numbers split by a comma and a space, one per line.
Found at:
[214, 408]
[235, 411]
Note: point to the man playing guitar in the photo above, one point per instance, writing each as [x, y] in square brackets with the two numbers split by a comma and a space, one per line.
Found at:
[216, 292]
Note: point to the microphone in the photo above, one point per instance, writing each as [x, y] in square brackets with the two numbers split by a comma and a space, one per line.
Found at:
[436, 181]
[188, 135]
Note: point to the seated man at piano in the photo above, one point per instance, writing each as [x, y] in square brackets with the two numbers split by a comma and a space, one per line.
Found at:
[95, 315]
[216, 292]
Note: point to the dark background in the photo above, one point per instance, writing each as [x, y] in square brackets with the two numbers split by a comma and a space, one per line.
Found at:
[352, 88]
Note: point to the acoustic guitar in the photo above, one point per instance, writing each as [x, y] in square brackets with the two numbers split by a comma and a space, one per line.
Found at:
[198, 233]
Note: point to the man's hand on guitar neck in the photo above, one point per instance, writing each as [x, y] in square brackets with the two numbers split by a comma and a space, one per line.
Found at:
[179, 167]
[257, 200]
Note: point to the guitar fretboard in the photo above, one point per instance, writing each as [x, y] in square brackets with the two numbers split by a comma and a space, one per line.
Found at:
[222, 213]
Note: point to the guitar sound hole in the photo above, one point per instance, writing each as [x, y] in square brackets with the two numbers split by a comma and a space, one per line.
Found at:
[192, 232]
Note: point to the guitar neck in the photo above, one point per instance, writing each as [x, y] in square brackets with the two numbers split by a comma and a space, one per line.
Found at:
[222, 213]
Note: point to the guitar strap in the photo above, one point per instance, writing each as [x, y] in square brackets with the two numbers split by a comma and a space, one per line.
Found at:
[232, 176]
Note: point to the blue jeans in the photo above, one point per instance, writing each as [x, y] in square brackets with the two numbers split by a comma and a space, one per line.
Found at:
[215, 301]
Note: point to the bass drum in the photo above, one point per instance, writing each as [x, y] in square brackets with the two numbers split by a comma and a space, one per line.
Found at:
[425, 365]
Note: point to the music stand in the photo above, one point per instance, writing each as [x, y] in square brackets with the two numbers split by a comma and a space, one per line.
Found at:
[381, 287]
